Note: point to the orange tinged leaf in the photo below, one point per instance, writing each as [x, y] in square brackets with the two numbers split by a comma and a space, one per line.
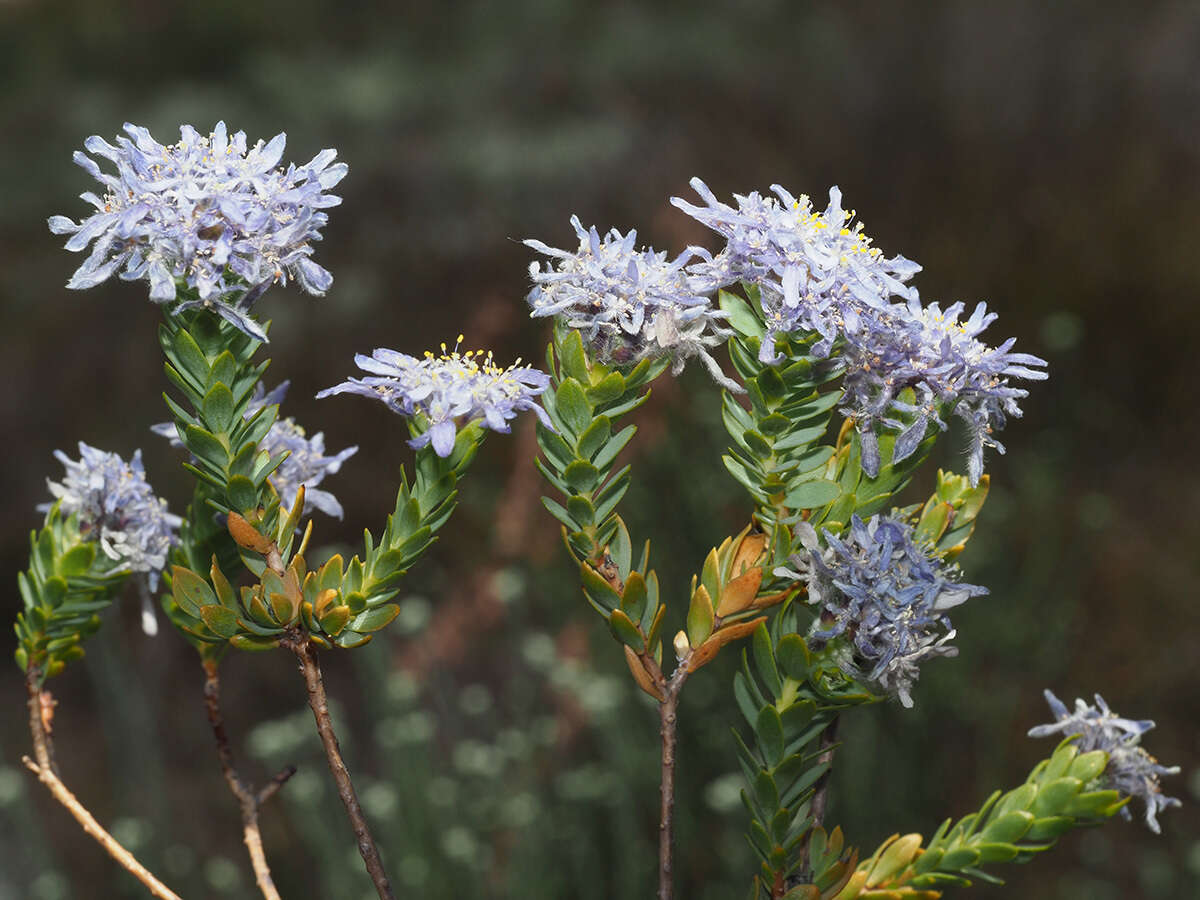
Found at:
[748, 553]
[739, 593]
[641, 676]
[247, 536]
[722, 636]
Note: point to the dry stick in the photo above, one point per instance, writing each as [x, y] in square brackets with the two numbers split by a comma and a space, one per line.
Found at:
[248, 801]
[306, 654]
[40, 704]
[667, 714]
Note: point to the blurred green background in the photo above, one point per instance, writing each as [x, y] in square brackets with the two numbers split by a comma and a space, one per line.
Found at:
[1042, 157]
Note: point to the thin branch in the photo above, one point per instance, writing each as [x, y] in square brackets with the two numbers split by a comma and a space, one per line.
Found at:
[821, 791]
[41, 721]
[668, 722]
[41, 706]
[299, 644]
[248, 801]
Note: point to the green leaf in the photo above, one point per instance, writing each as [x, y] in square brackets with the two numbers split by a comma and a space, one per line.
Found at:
[191, 592]
[573, 357]
[205, 445]
[220, 621]
[740, 316]
[812, 494]
[1008, 828]
[615, 445]
[625, 631]
[242, 493]
[772, 387]
[189, 357]
[766, 792]
[801, 437]
[224, 369]
[224, 590]
[1056, 796]
[599, 589]
[959, 858]
[768, 727]
[607, 390]
[218, 408]
[594, 436]
[792, 655]
[839, 514]
[633, 600]
[253, 642]
[581, 476]
[335, 620]
[758, 444]
[1087, 766]
[77, 559]
[1050, 828]
[348, 640]
[374, 619]
[573, 407]
[581, 510]
[764, 661]
[991, 852]
[934, 519]
[700, 617]
[54, 591]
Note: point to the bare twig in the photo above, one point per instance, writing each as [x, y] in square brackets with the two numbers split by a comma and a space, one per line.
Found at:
[41, 721]
[41, 706]
[299, 644]
[248, 801]
[668, 721]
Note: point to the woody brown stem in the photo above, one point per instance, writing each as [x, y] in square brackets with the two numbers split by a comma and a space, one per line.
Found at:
[668, 722]
[40, 710]
[299, 644]
[248, 801]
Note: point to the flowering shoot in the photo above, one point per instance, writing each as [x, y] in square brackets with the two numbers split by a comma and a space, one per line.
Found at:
[447, 389]
[208, 221]
[117, 508]
[1130, 770]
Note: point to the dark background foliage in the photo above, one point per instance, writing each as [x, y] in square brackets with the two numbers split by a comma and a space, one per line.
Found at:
[1040, 156]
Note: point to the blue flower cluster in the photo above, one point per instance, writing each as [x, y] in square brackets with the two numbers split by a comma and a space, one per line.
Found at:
[1131, 770]
[117, 508]
[817, 273]
[210, 214]
[630, 303]
[453, 386]
[949, 370]
[884, 595]
[814, 269]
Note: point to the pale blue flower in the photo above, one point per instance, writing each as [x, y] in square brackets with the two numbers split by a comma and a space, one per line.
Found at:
[306, 463]
[208, 217]
[1131, 770]
[949, 369]
[117, 508]
[814, 269]
[630, 303]
[447, 389]
[882, 597]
